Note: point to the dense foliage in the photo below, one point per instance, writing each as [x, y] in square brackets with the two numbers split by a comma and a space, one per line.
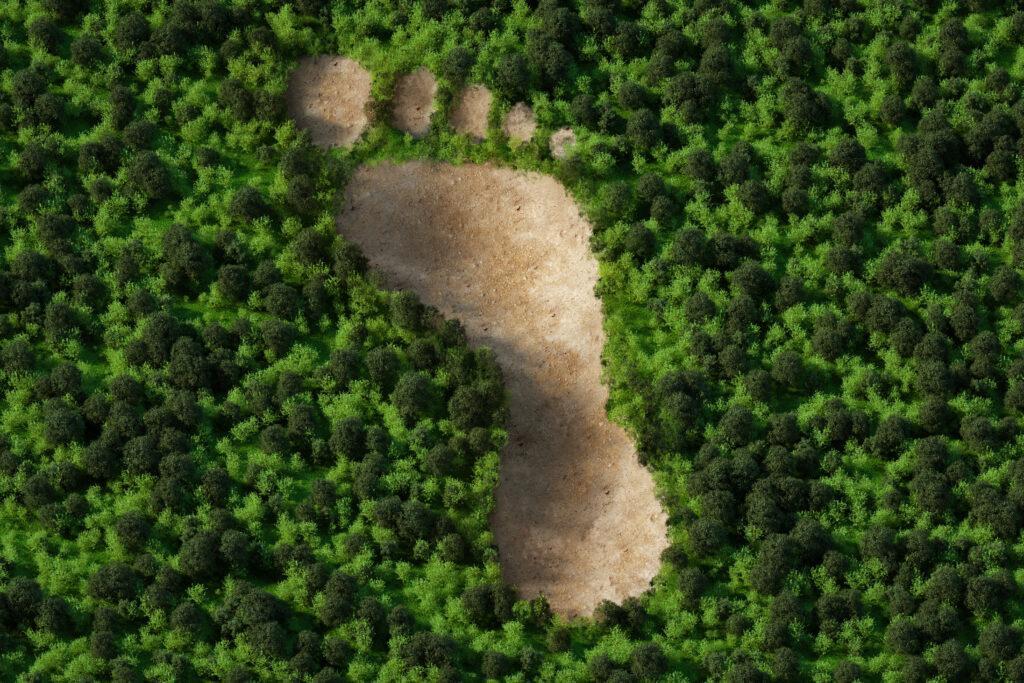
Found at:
[228, 454]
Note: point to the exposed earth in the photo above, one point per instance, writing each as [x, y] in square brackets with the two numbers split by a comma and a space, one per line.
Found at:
[414, 102]
[561, 143]
[507, 253]
[469, 115]
[520, 123]
[328, 96]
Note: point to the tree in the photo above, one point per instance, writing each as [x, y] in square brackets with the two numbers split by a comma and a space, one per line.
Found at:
[130, 30]
[456, 65]
[639, 243]
[23, 598]
[184, 260]
[269, 638]
[188, 367]
[338, 599]
[479, 605]
[412, 396]
[648, 661]
[890, 437]
[114, 582]
[848, 154]
[281, 300]
[773, 562]
[802, 106]
[61, 321]
[512, 76]
[903, 271]
[247, 204]
[132, 529]
[643, 130]
[425, 648]
[754, 196]
[237, 99]
[737, 425]
[147, 176]
[788, 370]
[382, 365]
[846, 671]
[86, 50]
[103, 644]
[278, 336]
[785, 666]
[465, 408]
[139, 134]
[64, 424]
[997, 642]
[348, 438]
[311, 247]
[989, 593]
[198, 556]
[903, 637]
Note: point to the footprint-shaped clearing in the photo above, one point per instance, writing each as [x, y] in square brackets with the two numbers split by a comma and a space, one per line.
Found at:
[576, 518]
[508, 254]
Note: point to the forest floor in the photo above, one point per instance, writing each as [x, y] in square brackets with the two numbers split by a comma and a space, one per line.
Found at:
[508, 254]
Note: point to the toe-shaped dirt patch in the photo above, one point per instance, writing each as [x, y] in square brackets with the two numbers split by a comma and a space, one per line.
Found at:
[469, 115]
[413, 102]
[508, 253]
[561, 143]
[328, 96]
[520, 123]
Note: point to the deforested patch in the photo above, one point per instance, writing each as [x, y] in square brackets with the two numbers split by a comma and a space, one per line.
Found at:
[472, 108]
[328, 96]
[413, 102]
[508, 254]
[561, 143]
[520, 123]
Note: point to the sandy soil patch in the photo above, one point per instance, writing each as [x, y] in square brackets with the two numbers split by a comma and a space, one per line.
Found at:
[508, 253]
[328, 96]
[469, 115]
[561, 143]
[520, 123]
[414, 102]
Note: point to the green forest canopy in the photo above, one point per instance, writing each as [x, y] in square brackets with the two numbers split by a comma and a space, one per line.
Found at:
[228, 454]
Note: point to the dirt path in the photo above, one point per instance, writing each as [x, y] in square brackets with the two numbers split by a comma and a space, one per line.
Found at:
[508, 254]
[328, 96]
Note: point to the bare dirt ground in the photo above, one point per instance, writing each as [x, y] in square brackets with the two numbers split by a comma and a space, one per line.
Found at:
[414, 102]
[561, 143]
[520, 122]
[507, 252]
[328, 96]
[469, 115]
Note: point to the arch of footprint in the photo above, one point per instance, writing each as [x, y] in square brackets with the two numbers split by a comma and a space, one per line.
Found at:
[506, 252]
